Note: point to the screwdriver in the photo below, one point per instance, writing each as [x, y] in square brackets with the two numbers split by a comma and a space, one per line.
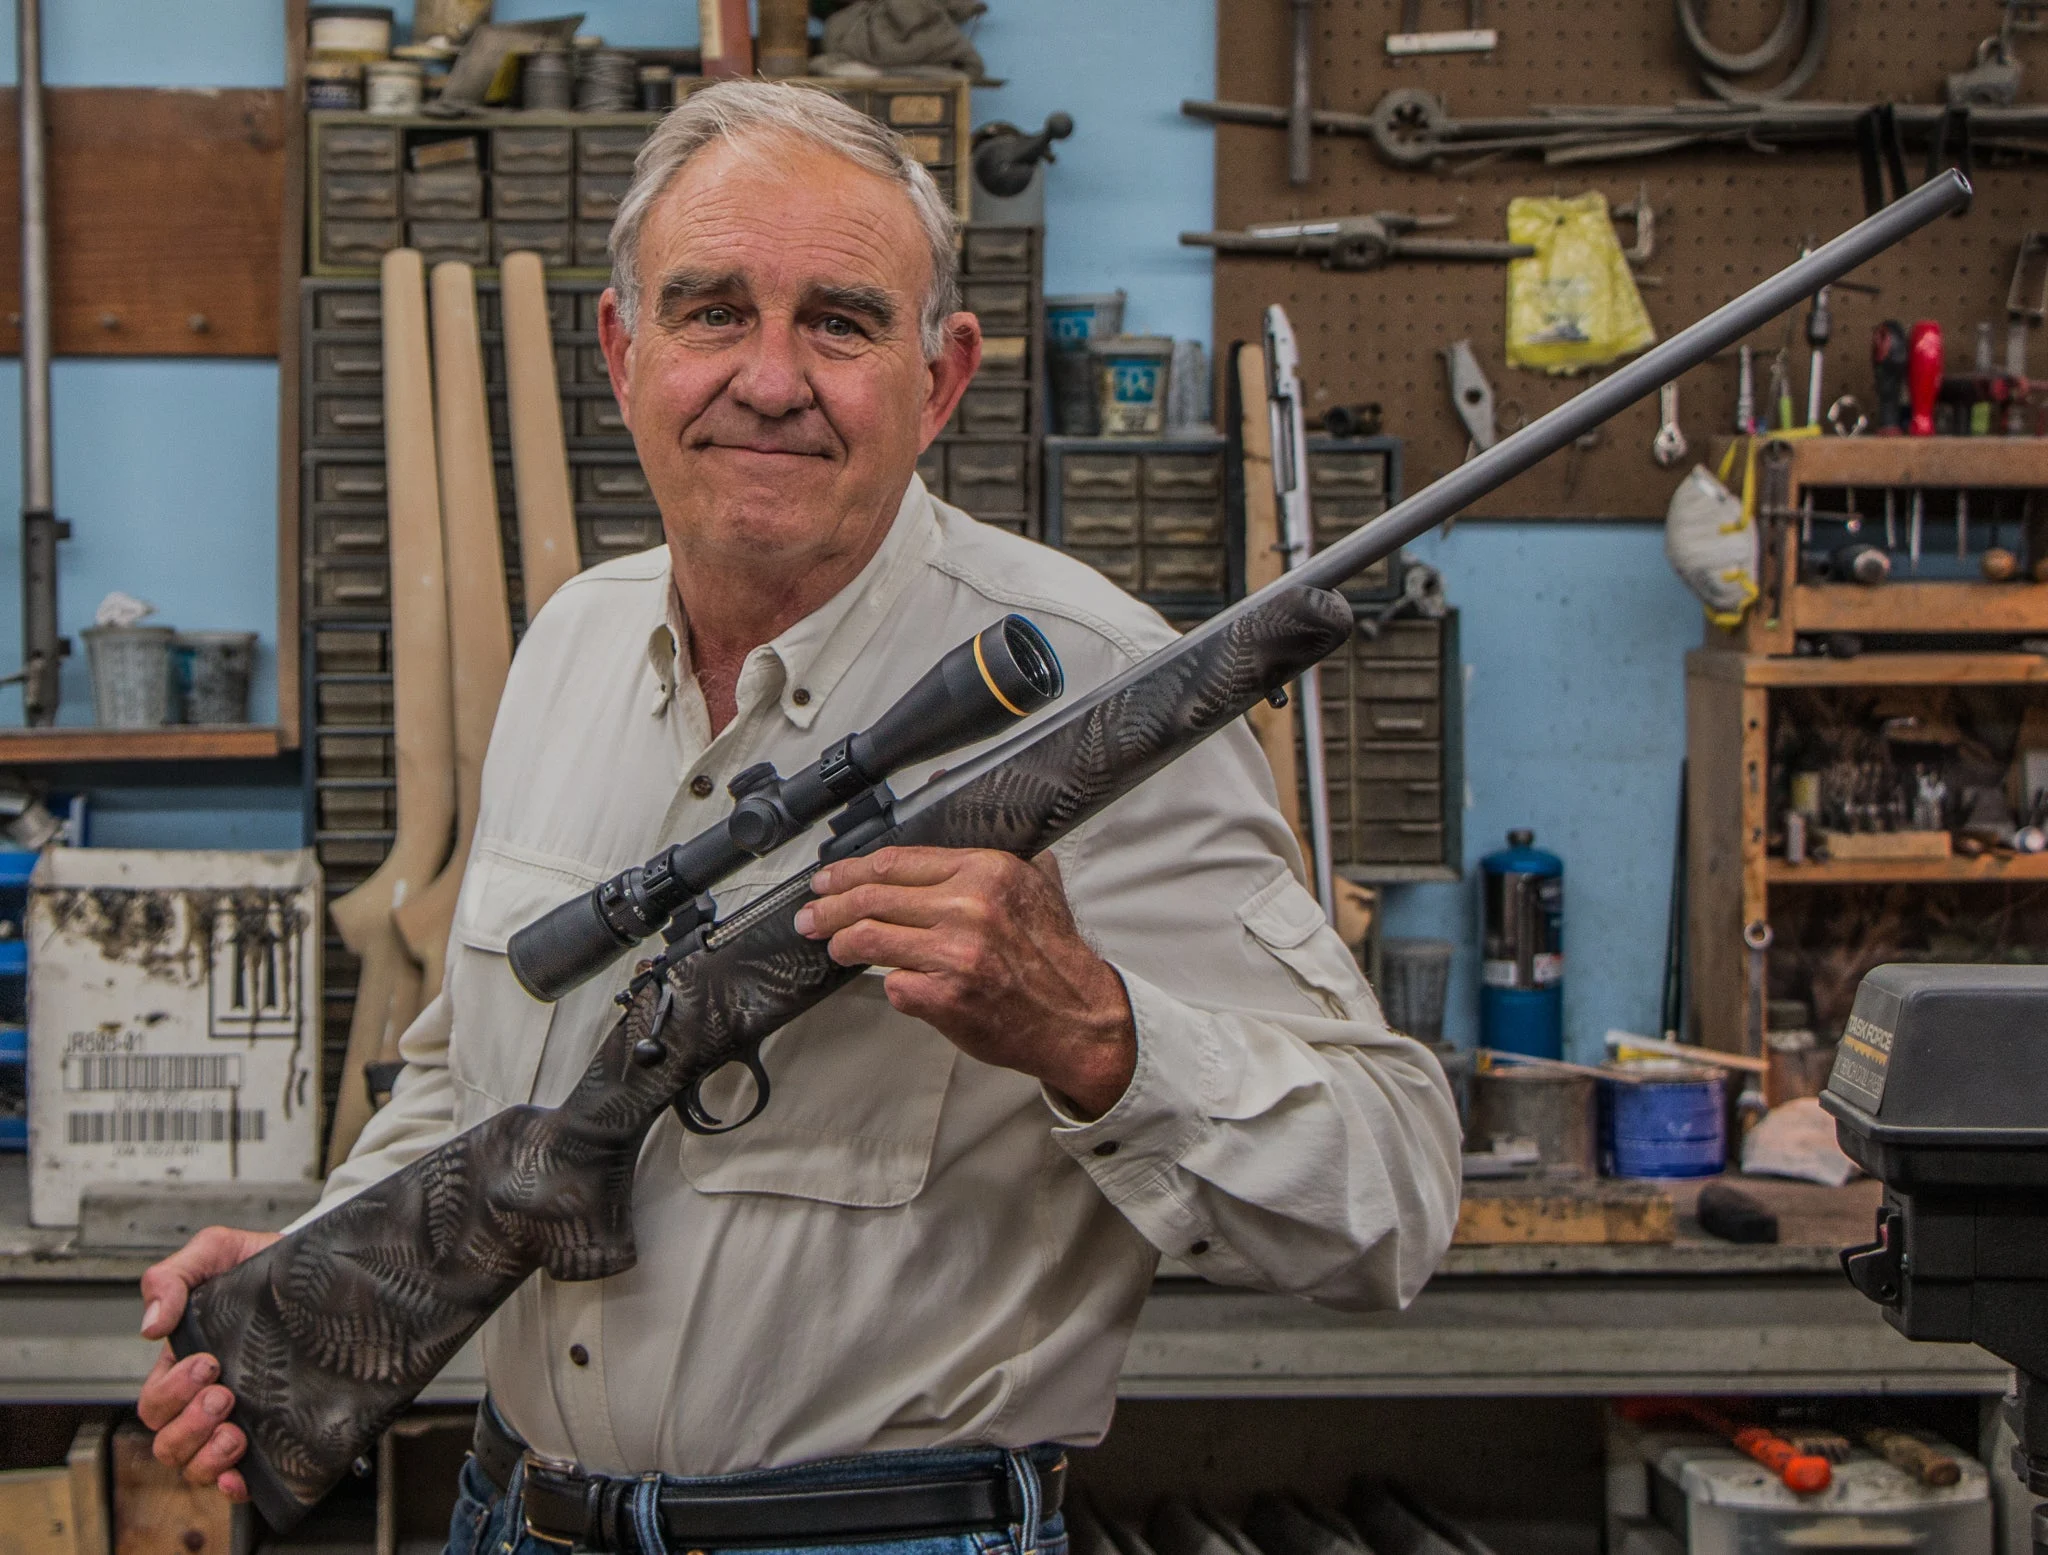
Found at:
[1888, 363]
[1923, 374]
[1819, 325]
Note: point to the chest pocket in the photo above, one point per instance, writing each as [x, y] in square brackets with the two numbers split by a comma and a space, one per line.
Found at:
[500, 1030]
[1289, 924]
[854, 1106]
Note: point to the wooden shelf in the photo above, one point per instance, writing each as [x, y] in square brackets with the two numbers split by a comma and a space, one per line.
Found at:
[175, 742]
[1872, 669]
[1991, 868]
[1920, 461]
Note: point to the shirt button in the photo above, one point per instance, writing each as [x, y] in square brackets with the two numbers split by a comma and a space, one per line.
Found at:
[579, 1355]
[701, 785]
[1107, 1147]
[801, 697]
[1199, 1248]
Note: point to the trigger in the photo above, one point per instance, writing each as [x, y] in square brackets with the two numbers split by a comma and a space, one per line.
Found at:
[690, 1109]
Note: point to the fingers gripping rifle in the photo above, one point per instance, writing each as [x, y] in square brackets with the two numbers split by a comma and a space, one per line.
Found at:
[325, 1336]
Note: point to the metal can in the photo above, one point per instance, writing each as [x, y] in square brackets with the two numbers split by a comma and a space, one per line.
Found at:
[358, 32]
[334, 85]
[1131, 374]
[1521, 994]
[393, 86]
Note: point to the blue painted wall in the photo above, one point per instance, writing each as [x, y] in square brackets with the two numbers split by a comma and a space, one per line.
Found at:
[1573, 634]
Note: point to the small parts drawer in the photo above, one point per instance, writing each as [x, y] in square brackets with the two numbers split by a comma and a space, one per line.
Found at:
[610, 149]
[350, 308]
[1099, 523]
[1120, 566]
[455, 194]
[1183, 523]
[351, 652]
[353, 756]
[358, 148]
[1099, 475]
[352, 587]
[997, 251]
[351, 362]
[910, 110]
[337, 482]
[1184, 569]
[347, 418]
[622, 482]
[357, 244]
[993, 412]
[438, 241]
[521, 197]
[598, 195]
[606, 537]
[1416, 801]
[1184, 476]
[359, 196]
[988, 477]
[530, 151]
[598, 415]
[351, 535]
[1004, 307]
[553, 241]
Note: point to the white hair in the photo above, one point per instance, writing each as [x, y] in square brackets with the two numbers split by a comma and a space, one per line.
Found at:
[754, 113]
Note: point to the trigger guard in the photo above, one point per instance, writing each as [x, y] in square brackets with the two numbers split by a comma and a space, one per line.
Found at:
[690, 1106]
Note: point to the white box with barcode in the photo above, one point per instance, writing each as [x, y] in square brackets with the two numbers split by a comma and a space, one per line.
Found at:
[174, 1019]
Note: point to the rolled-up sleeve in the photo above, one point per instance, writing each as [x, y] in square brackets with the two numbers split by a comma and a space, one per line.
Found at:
[1275, 1134]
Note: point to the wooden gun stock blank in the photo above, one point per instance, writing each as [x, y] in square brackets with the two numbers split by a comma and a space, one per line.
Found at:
[548, 554]
[388, 993]
[479, 619]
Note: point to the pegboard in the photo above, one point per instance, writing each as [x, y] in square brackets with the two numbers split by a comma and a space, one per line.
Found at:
[1723, 220]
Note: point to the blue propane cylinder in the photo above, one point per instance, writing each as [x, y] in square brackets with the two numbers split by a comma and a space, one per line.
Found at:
[1521, 993]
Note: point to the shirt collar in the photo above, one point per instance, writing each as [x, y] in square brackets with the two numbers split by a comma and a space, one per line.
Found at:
[814, 654]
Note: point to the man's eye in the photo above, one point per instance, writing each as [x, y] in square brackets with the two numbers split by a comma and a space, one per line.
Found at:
[839, 326]
[718, 317]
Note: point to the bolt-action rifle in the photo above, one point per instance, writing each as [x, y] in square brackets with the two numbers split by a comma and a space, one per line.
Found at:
[328, 1333]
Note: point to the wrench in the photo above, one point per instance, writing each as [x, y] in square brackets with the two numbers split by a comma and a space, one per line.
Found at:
[1668, 446]
[1757, 936]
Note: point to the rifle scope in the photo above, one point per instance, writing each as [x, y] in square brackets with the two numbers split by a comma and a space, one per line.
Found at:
[1000, 675]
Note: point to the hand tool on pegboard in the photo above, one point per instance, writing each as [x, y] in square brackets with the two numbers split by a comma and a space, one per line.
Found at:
[2029, 280]
[1289, 444]
[1411, 40]
[548, 553]
[479, 617]
[423, 729]
[1301, 106]
[1357, 242]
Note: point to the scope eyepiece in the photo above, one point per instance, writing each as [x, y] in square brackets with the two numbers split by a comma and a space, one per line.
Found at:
[1003, 673]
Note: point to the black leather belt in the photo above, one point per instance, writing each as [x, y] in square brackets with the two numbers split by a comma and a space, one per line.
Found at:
[564, 1505]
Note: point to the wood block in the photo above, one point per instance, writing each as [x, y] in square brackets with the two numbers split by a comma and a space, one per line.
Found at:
[35, 1512]
[1866, 845]
[1556, 1213]
[86, 1464]
[166, 215]
[156, 1512]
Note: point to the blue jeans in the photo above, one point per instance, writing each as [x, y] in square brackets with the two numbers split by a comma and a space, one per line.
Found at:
[489, 1523]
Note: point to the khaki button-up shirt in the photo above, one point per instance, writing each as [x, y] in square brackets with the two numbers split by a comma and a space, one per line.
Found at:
[910, 1248]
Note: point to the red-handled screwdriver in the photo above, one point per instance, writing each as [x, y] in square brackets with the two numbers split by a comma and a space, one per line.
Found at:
[1923, 375]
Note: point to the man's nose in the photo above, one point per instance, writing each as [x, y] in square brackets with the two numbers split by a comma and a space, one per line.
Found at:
[772, 379]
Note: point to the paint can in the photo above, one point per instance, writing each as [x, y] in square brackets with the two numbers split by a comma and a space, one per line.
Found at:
[547, 79]
[131, 675]
[607, 81]
[1668, 1118]
[657, 88]
[358, 32]
[334, 85]
[213, 670]
[1555, 1110]
[1071, 321]
[1130, 374]
[1415, 979]
[393, 86]
[1521, 993]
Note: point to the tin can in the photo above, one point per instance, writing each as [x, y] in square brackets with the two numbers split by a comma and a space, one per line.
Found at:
[1130, 373]
[358, 32]
[1555, 1111]
[1071, 321]
[1521, 994]
[334, 85]
[1667, 1118]
[393, 86]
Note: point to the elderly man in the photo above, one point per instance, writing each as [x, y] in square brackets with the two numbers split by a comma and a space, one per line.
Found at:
[882, 1307]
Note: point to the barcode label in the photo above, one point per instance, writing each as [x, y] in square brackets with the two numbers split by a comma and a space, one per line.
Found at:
[156, 1072]
[162, 1126]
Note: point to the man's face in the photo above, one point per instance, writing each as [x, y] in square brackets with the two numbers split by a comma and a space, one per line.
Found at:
[776, 387]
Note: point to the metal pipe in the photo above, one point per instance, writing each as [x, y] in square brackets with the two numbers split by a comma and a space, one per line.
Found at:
[42, 648]
[1301, 106]
[1548, 434]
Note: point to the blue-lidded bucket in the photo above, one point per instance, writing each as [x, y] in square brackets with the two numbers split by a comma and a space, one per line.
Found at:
[1669, 1120]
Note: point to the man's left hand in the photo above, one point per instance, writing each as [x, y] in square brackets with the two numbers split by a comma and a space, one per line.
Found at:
[984, 948]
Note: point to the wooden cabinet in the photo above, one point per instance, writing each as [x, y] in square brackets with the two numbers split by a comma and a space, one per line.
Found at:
[1734, 879]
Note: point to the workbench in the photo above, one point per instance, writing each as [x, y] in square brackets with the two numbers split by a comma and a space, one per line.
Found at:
[1692, 1316]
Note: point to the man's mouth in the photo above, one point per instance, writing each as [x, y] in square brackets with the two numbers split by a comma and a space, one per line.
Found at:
[766, 450]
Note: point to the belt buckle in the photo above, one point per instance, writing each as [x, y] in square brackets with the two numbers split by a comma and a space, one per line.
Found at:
[531, 1461]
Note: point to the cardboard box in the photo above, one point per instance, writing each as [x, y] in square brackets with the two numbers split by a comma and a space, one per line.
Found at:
[174, 1021]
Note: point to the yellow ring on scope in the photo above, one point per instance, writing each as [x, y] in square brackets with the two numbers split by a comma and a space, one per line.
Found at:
[993, 689]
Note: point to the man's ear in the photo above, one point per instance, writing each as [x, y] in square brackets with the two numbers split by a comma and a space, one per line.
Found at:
[617, 346]
[951, 371]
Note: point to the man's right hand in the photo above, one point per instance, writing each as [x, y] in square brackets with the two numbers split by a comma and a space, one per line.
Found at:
[181, 1401]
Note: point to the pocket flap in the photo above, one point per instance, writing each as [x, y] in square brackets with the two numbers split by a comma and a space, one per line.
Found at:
[856, 1090]
[505, 888]
[1282, 914]
[1289, 923]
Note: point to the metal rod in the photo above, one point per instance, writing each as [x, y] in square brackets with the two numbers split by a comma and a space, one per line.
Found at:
[1301, 109]
[40, 532]
[1548, 434]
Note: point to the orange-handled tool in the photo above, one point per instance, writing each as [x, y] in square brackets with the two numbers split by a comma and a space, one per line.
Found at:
[1923, 376]
[1803, 1472]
